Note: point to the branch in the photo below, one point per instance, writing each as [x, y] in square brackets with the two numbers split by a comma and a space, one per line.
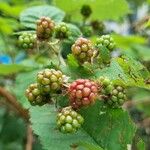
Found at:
[29, 138]
[12, 100]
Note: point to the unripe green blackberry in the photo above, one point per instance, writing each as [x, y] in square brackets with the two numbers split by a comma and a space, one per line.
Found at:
[68, 120]
[83, 50]
[107, 41]
[50, 80]
[62, 31]
[27, 40]
[82, 92]
[45, 28]
[34, 95]
[98, 26]
[106, 86]
[86, 11]
[118, 96]
[113, 95]
[87, 31]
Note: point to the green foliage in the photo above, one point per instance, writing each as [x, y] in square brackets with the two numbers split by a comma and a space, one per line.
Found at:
[99, 8]
[43, 121]
[110, 128]
[6, 69]
[29, 16]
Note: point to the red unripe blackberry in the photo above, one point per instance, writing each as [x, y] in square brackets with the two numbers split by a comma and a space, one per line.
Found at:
[45, 28]
[83, 50]
[82, 92]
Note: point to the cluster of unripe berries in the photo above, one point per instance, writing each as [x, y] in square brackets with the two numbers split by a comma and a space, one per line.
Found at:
[68, 120]
[45, 29]
[112, 94]
[85, 51]
[107, 41]
[81, 93]
[48, 81]
[27, 40]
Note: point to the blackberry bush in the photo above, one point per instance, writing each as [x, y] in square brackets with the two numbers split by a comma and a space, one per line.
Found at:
[45, 28]
[27, 40]
[68, 120]
[82, 92]
[50, 80]
[83, 50]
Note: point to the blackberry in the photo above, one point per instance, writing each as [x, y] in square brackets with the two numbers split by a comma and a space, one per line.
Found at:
[83, 50]
[68, 120]
[27, 40]
[45, 28]
[50, 80]
[107, 41]
[82, 92]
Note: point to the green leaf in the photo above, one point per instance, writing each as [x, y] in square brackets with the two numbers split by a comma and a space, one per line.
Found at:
[98, 7]
[112, 129]
[43, 121]
[75, 31]
[89, 146]
[23, 80]
[126, 42]
[143, 52]
[6, 69]
[128, 70]
[141, 145]
[8, 25]
[29, 16]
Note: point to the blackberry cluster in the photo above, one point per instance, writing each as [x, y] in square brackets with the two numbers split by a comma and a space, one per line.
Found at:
[45, 28]
[62, 31]
[83, 50]
[69, 121]
[86, 11]
[82, 92]
[27, 40]
[50, 80]
[118, 96]
[113, 95]
[107, 41]
[35, 96]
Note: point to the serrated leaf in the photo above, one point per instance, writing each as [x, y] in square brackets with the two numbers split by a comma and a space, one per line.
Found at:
[98, 7]
[110, 128]
[43, 121]
[6, 69]
[23, 80]
[75, 31]
[128, 70]
[29, 16]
